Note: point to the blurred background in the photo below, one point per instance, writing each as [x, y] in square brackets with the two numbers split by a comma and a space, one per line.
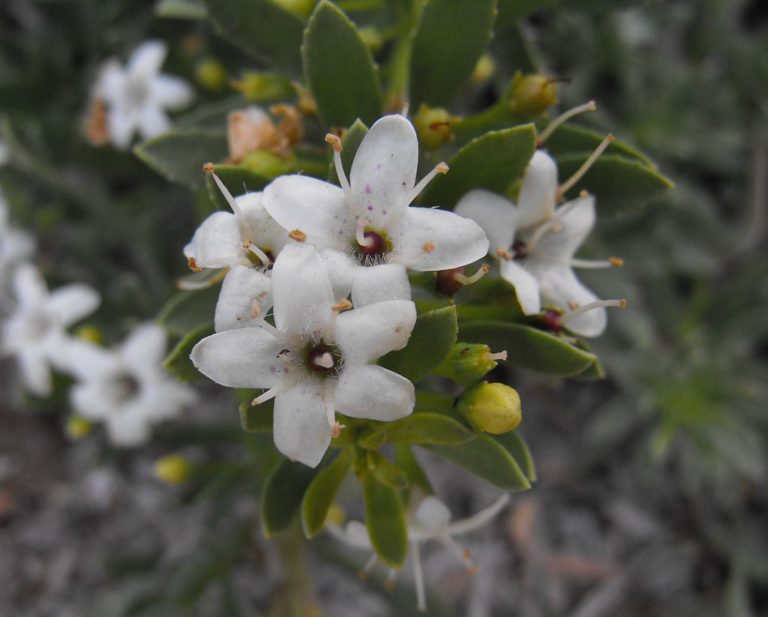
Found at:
[651, 494]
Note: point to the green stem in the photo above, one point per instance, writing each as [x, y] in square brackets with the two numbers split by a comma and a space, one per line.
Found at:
[296, 598]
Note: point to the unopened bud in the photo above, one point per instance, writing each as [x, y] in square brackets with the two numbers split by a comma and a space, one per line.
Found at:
[267, 164]
[491, 407]
[302, 8]
[434, 126]
[78, 427]
[211, 74]
[90, 334]
[484, 69]
[172, 469]
[531, 95]
[468, 363]
[260, 87]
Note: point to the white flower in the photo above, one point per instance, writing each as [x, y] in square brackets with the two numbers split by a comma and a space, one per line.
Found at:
[314, 360]
[430, 520]
[138, 94]
[36, 331]
[16, 247]
[246, 241]
[535, 242]
[367, 224]
[127, 388]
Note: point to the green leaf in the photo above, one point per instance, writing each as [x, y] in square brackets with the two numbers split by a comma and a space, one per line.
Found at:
[177, 363]
[570, 138]
[426, 427]
[385, 520]
[179, 156]
[449, 40]
[261, 28]
[406, 461]
[321, 493]
[181, 9]
[256, 418]
[493, 161]
[530, 348]
[238, 180]
[339, 69]
[349, 145]
[514, 443]
[385, 472]
[188, 310]
[432, 338]
[283, 492]
[487, 459]
[616, 181]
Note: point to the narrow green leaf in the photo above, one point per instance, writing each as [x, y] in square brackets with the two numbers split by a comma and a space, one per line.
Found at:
[177, 363]
[487, 459]
[261, 28]
[283, 492]
[321, 493]
[530, 348]
[238, 180]
[349, 145]
[181, 9]
[571, 138]
[339, 69]
[406, 461]
[179, 156]
[432, 338]
[514, 443]
[385, 520]
[420, 428]
[493, 161]
[617, 182]
[188, 310]
[385, 472]
[449, 40]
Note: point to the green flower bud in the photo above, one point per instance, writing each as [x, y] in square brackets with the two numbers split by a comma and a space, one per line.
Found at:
[531, 95]
[172, 469]
[260, 87]
[491, 407]
[211, 74]
[484, 69]
[267, 164]
[78, 427]
[468, 363]
[302, 8]
[434, 126]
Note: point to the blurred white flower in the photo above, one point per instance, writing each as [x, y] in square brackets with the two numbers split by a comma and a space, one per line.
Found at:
[429, 520]
[127, 388]
[138, 95]
[35, 332]
[315, 360]
[367, 225]
[16, 247]
[535, 242]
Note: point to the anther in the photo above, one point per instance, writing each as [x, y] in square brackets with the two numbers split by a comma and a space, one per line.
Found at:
[192, 264]
[255, 309]
[336, 429]
[209, 168]
[499, 355]
[428, 247]
[563, 118]
[363, 573]
[504, 254]
[468, 280]
[341, 305]
[334, 141]
[298, 235]
[580, 310]
[440, 168]
[565, 186]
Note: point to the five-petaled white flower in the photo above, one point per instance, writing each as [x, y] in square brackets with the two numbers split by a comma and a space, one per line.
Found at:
[138, 94]
[246, 241]
[16, 247]
[315, 360]
[430, 520]
[367, 227]
[127, 388]
[36, 331]
[535, 242]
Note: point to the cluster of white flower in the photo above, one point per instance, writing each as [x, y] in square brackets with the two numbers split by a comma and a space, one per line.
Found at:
[303, 248]
[126, 388]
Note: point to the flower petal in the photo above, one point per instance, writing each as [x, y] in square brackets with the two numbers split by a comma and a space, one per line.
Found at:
[538, 192]
[314, 207]
[301, 291]
[365, 334]
[35, 372]
[384, 171]
[341, 270]
[89, 362]
[127, 428]
[71, 303]
[526, 287]
[92, 400]
[243, 358]
[144, 350]
[217, 243]
[262, 229]
[379, 283]
[576, 221]
[122, 123]
[301, 427]
[170, 92]
[430, 239]
[111, 81]
[153, 121]
[495, 214]
[29, 286]
[245, 298]
[147, 58]
[374, 392]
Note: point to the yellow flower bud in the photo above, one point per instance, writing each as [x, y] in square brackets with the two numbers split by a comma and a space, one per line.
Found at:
[467, 363]
[78, 427]
[211, 74]
[531, 95]
[90, 334]
[434, 126]
[172, 469]
[491, 407]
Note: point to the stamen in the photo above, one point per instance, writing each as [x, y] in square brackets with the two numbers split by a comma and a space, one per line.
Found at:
[269, 394]
[596, 264]
[209, 169]
[366, 569]
[389, 583]
[418, 578]
[263, 257]
[565, 186]
[459, 551]
[440, 168]
[335, 143]
[579, 310]
[468, 280]
[336, 429]
[563, 118]
[341, 306]
[192, 265]
[504, 254]
[255, 309]
[499, 355]
[551, 225]
[278, 334]
[360, 233]
[298, 235]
